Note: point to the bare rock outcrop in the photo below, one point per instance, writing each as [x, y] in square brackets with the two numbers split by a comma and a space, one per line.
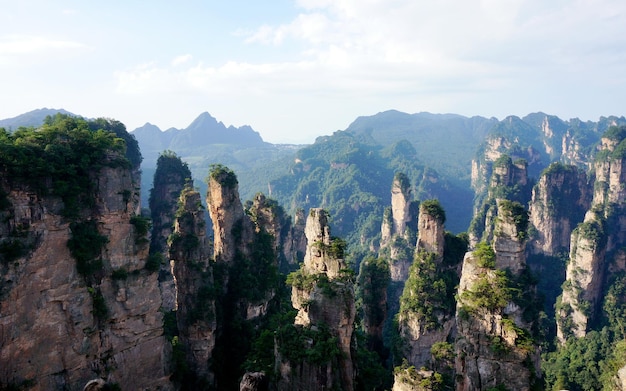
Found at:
[323, 294]
[230, 229]
[190, 252]
[63, 322]
[493, 344]
[558, 204]
[398, 229]
[602, 232]
[170, 178]
[421, 331]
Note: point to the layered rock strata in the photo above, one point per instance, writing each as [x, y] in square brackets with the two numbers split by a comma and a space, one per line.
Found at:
[60, 328]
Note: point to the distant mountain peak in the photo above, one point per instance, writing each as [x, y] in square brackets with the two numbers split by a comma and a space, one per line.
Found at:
[32, 118]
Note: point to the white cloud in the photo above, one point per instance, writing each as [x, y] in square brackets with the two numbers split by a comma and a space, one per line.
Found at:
[12, 45]
[181, 59]
[475, 57]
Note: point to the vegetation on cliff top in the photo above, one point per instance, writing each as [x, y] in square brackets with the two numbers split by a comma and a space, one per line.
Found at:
[62, 156]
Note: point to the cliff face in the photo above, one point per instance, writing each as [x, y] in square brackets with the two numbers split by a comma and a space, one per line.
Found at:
[169, 180]
[509, 180]
[288, 240]
[62, 324]
[323, 294]
[494, 346]
[191, 252]
[593, 244]
[398, 229]
[558, 204]
[226, 212]
[422, 327]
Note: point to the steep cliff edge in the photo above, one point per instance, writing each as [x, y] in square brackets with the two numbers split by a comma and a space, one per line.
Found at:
[196, 292]
[508, 180]
[595, 241]
[559, 202]
[76, 301]
[427, 307]
[170, 178]
[323, 294]
[496, 310]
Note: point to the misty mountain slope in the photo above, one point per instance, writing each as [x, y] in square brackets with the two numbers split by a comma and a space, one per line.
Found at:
[351, 177]
[445, 142]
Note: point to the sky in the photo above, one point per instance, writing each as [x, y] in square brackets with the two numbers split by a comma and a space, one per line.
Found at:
[298, 69]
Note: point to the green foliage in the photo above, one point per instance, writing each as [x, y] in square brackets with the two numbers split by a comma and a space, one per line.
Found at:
[60, 157]
[11, 249]
[100, 310]
[371, 374]
[523, 339]
[316, 346]
[133, 153]
[429, 291]
[614, 362]
[119, 274]
[86, 245]
[504, 161]
[337, 248]
[300, 279]
[514, 212]
[409, 375]
[154, 261]
[373, 280]
[592, 231]
[180, 368]
[442, 351]
[490, 291]
[433, 208]
[403, 180]
[252, 277]
[615, 305]
[455, 248]
[616, 133]
[579, 365]
[485, 256]
[170, 326]
[203, 308]
[142, 225]
[187, 242]
[223, 175]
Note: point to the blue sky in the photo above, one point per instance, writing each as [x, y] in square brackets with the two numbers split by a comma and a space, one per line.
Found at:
[294, 70]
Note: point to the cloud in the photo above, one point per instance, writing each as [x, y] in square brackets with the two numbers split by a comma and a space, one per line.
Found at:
[17, 45]
[181, 59]
[485, 57]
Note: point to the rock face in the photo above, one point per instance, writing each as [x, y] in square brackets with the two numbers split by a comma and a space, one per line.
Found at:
[191, 252]
[415, 329]
[169, 180]
[558, 204]
[602, 232]
[398, 230]
[59, 328]
[226, 212]
[324, 297]
[508, 180]
[493, 345]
